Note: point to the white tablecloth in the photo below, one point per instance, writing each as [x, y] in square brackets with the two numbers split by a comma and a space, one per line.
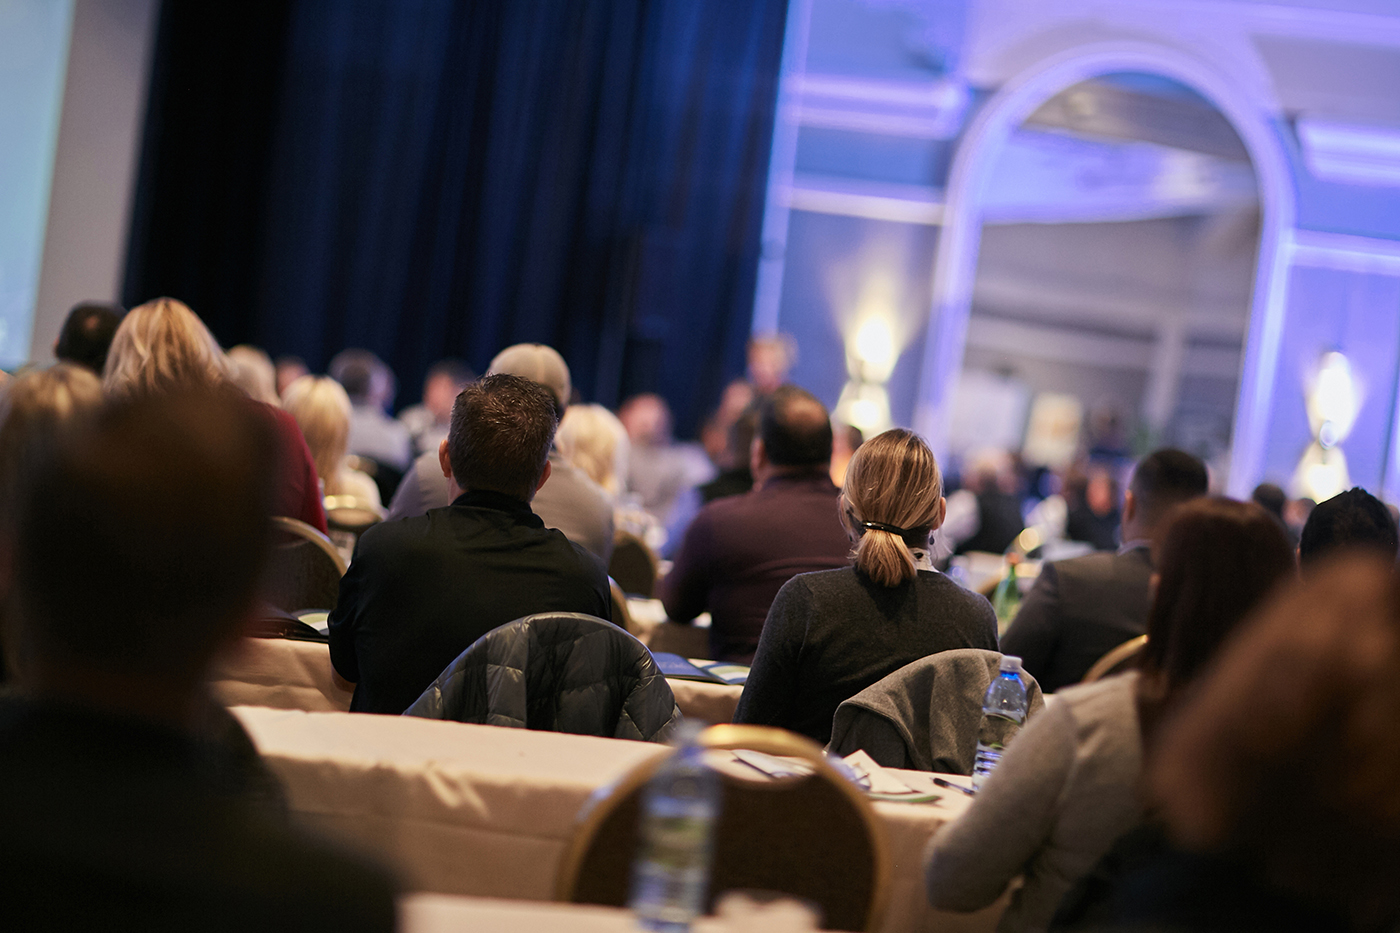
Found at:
[488, 811]
[287, 674]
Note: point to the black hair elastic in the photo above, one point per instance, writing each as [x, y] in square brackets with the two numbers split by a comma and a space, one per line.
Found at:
[881, 526]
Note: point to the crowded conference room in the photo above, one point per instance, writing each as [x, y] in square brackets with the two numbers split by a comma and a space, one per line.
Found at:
[906, 466]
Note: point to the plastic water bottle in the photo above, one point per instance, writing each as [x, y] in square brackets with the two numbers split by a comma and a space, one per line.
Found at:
[1003, 711]
[671, 873]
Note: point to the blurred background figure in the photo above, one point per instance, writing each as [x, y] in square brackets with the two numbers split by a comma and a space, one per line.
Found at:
[252, 371]
[659, 469]
[427, 422]
[992, 484]
[845, 441]
[1094, 516]
[87, 333]
[770, 359]
[1272, 499]
[738, 398]
[289, 370]
[37, 410]
[593, 439]
[1353, 520]
[322, 410]
[373, 434]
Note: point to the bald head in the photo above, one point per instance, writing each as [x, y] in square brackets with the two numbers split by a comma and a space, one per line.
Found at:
[795, 429]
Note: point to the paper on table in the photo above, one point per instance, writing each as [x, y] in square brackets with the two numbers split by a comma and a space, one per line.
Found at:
[882, 783]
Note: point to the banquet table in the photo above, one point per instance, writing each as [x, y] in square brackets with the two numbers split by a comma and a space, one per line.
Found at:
[284, 673]
[488, 811]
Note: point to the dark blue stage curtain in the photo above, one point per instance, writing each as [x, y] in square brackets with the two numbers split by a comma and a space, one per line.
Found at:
[428, 178]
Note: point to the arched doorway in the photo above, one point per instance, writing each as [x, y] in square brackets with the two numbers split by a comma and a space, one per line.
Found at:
[967, 193]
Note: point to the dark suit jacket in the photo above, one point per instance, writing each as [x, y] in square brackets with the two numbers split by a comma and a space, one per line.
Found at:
[1077, 612]
[420, 590]
[740, 550]
[114, 824]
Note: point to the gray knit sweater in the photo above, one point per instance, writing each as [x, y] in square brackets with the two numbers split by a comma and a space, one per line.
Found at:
[831, 634]
[1062, 795]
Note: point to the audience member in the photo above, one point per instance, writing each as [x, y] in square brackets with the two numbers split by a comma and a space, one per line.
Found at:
[370, 385]
[740, 550]
[252, 371]
[770, 359]
[570, 502]
[1068, 786]
[1080, 609]
[421, 590]
[87, 334]
[1272, 499]
[736, 400]
[1353, 520]
[592, 439]
[735, 474]
[322, 411]
[831, 634]
[289, 369]
[428, 421]
[659, 470]
[119, 810]
[1094, 517]
[161, 348]
[1276, 779]
[992, 480]
[845, 441]
[37, 410]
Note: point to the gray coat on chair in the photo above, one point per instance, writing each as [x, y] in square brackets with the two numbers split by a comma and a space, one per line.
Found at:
[559, 672]
[925, 715]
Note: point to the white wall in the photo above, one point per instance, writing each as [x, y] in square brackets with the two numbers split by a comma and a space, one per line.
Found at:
[94, 171]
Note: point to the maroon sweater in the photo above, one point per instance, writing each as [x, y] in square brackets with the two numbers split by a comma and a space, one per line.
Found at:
[740, 550]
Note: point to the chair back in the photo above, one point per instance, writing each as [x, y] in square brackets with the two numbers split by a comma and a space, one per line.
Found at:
[925, 716]
[556, 672]
[814, 837]
[1116, 661]
[304, 570]
[633, 565]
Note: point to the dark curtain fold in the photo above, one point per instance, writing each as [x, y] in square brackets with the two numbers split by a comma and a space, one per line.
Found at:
[428, 178]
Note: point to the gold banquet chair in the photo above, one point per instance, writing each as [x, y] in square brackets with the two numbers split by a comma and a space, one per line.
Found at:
[1116, 661]
[304, 569]
[814, 837]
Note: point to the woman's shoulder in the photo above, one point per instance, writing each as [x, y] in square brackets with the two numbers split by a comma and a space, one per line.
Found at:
[944, 588]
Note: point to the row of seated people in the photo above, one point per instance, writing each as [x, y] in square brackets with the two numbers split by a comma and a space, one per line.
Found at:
[890, 508]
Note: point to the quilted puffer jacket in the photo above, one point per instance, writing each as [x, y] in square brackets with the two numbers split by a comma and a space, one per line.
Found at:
[559, 672]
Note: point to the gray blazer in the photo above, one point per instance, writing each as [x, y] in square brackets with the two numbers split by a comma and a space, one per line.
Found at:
[925, 715]
[1077, 612]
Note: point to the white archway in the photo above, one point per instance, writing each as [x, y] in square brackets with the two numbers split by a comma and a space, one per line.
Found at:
[955, 264]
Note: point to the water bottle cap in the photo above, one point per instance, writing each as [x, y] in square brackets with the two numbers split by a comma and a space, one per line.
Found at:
[1009, 662]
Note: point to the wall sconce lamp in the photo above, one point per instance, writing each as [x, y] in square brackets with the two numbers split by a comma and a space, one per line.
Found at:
[1333, 402]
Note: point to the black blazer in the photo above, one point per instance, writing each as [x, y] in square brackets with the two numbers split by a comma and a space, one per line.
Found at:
[420, 590]
[1077, 612]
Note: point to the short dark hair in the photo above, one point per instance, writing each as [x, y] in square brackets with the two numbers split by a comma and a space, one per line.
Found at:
[454, 369]
[141, 546]
[87, 334]
[1164, 479]
[501, 432]
[1353, 519]
[1271, 498]
[795, 428]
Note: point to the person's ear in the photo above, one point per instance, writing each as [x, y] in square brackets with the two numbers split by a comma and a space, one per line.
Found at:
[548, 469]
[940, 515]
[1130, 506]
[444, 460]
[758, 456]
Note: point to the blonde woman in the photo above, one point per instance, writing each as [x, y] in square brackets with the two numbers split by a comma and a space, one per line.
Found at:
[161, 346]
[35, 409]
[322, 409]
[594, 440]
[831, 634]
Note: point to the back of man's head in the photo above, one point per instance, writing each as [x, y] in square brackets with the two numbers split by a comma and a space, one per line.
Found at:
[140, 546]
[1164, 479]
[502, 428]
[538, 363]
[795, 428]
[87, 334]
[366, 378]
[1354, 519]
